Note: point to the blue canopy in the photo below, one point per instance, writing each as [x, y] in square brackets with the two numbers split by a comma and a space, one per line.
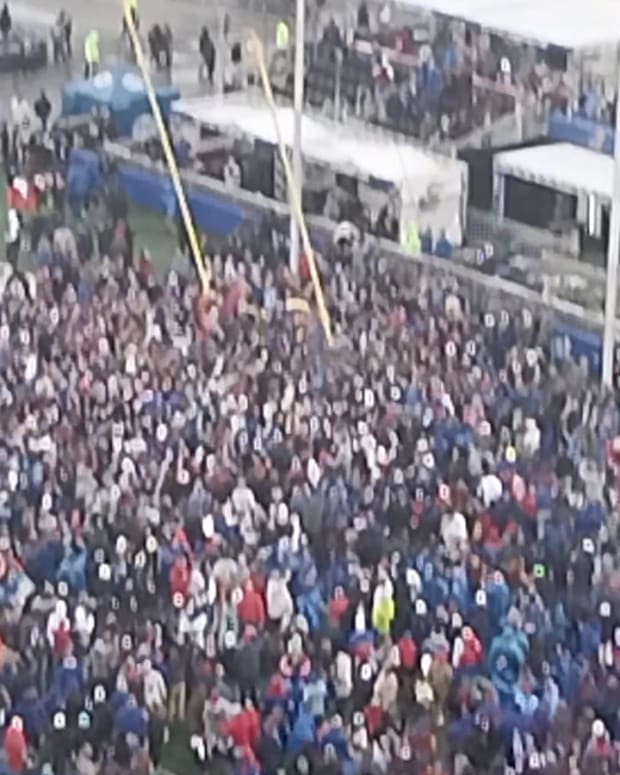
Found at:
[119, 89]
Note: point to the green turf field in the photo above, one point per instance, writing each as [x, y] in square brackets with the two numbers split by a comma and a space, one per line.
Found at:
[151, 230]
[177, 756]
[154, 232]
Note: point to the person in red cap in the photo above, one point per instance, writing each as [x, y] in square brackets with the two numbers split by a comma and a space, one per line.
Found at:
[15, 745]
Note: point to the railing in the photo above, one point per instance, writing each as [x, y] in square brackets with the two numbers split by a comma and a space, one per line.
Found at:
[486, 227]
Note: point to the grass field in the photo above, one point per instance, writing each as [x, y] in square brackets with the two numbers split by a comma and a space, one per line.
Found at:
[176, 756]
[151, 231]
[154, 232]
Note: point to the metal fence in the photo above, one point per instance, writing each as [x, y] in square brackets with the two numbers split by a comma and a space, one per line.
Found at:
[517, 237]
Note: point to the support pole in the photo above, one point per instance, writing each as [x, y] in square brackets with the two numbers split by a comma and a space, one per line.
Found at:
[611, 290]
[202, 267]
[298, 102]
[221, 51]
[293, 191]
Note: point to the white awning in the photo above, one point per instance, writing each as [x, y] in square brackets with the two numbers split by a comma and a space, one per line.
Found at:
[432, 188]
[571, 24]
[338, 145]
[562, 166]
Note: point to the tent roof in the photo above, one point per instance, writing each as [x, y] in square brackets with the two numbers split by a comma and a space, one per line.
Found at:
[564, 167]
[339, 146]
[571, 24]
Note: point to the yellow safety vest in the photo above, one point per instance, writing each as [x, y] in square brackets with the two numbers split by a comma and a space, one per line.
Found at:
[282, 35]
[412, 240]
[91, 48]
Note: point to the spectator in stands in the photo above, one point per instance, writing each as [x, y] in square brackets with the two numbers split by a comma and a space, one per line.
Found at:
[232, 172]
[426, 241]
[386, 225]
[444, 248]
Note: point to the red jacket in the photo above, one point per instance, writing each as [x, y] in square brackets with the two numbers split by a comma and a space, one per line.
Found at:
[374, 716]
[251, 609]
[180, 578]
[529, 504]
[337, 608]
[244, 728]
[472, 652]
[304, 268]
[63, 642]
[16, 749]
[408, 651]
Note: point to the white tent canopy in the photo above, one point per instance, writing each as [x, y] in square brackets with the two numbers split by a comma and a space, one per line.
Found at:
[419, 176]
[563, 167]
[323, 141]
[570, 24]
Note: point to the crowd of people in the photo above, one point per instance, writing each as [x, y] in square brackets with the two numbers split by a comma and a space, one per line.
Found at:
[394, 554]
[437, 84]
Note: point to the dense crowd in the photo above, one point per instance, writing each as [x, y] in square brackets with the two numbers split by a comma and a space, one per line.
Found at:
[438, 82]
[395, 554]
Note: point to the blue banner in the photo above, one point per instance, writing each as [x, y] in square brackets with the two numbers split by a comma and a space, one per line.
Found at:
[571, 343]
[582, 131]
[212, 213]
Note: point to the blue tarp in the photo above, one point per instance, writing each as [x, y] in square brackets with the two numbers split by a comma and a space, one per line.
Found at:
[582, 131]
[84, 173]
[120, 90]
[212, 213]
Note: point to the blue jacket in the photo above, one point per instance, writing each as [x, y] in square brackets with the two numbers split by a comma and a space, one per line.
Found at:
[507, 655]
[302, 733]
[131, 719]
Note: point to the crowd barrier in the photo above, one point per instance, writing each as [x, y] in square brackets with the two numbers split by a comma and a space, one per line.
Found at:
[575, 332]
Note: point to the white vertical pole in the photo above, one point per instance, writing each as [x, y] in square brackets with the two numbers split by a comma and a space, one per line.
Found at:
[611, 290]
[222, 52]
[298, 102]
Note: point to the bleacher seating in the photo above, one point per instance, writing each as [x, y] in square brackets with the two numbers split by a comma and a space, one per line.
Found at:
[438, 90]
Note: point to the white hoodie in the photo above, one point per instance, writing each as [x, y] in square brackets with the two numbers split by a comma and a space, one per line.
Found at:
[343, 674]
[454, 531]
[531, 437]
[279, 600]
[55, 620]
[243, 499]
[83, 623]
[155, 691]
